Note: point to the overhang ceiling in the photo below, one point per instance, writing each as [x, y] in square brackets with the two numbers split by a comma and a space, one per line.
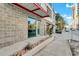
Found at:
[34, 8]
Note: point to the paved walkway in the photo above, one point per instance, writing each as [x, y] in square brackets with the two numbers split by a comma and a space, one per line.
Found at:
[56, 48]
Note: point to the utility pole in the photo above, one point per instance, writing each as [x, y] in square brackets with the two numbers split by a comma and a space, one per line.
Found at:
[73, 8]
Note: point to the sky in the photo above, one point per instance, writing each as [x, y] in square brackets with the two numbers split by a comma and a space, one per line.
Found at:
[65, 10]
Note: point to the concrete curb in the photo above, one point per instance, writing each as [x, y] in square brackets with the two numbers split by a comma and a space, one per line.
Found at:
[70, 48]
[39, 47]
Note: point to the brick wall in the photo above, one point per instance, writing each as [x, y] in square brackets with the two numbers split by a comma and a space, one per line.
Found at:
[13, 24]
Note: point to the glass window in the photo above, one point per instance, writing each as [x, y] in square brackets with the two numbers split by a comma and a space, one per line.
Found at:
[78, 11]
[38, 27]
[50, 4]
[33, 27]
[43, 6]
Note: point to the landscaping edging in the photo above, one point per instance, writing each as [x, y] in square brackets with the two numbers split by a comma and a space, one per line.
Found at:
[38, 48]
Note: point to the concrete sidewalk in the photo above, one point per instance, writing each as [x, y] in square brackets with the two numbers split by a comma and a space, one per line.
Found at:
[56, 48]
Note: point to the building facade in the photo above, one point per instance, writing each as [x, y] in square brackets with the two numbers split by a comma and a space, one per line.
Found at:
[75, 11]
[19, 22]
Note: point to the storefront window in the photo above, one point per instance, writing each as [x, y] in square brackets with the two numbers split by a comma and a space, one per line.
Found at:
[78, 11]
[38, 27]
[33, 27]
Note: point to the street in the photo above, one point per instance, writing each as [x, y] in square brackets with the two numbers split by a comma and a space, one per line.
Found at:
[71, 35]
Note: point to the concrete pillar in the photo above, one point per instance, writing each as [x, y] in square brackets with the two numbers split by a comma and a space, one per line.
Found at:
[42, 27]
[54, 29]
[45, 30]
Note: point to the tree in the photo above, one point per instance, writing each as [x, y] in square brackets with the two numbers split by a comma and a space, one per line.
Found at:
[59, 21]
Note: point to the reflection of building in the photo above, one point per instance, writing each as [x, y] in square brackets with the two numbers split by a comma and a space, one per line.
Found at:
[14, 20]
[75, 15]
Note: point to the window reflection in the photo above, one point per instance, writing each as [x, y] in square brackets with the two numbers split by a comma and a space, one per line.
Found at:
[33, 27]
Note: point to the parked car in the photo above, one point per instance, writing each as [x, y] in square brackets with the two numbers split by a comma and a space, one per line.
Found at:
[67, 30]
[72, 29]
[58, 31]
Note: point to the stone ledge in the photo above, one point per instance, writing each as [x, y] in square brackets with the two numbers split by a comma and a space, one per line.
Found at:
[36, 41]
[33, 42]
[38, 48]
[12, 49]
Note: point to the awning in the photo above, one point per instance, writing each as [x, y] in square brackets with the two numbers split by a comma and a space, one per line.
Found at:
[34, 8]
